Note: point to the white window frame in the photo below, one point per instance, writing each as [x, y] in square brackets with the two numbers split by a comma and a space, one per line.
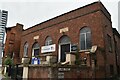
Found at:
[85, 34]
[85, 38]
[26, 52]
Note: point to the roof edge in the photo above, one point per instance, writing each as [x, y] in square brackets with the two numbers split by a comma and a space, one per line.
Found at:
[68, 13]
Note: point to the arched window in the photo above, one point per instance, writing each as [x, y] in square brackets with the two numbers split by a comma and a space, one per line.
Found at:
[85, 38]
[48, 41]
[35, 49]
[26, 49]
[64, 40]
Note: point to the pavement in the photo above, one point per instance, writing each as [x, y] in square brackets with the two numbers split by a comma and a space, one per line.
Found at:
[2, 77]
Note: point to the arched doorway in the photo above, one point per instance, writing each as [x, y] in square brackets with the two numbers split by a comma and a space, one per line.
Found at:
[35, 49]
[64, 46]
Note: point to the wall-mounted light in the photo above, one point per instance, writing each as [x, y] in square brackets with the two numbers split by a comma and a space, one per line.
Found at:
[93, 49]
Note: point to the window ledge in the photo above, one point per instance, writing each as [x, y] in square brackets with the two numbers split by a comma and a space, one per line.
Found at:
[88, 50]
[25, 57]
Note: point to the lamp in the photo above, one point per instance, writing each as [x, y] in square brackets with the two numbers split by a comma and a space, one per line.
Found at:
[93, 49]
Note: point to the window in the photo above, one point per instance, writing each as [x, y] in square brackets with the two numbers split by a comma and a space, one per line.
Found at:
[35, 49]
[109, 43]
[115, 46]
[85, 38]
[26, 49]
[64, 40]
[48, 41]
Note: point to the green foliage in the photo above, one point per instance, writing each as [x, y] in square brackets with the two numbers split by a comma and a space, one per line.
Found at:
[77, 61]
[8, 61]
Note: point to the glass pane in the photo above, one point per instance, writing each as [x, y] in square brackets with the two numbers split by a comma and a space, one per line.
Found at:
[26, 49]
[88, 41]
[85, 30]
[48, 41]
[109, 43]
[36, 45]
[36, 52]
[85, 38]
[65, 39]
[82, 41]
[35, 49]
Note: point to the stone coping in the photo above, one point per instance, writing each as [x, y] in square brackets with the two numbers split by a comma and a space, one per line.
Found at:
[65, 66]
[46, 55]
[73, 53]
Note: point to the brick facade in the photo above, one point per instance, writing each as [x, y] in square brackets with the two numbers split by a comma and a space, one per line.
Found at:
[95, 16]
[116, 46]
[13, 42]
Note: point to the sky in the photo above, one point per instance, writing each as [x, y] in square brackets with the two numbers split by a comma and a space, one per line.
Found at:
[32, 12]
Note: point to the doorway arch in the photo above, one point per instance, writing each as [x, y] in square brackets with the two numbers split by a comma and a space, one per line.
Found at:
[64, 46]
[35, 49]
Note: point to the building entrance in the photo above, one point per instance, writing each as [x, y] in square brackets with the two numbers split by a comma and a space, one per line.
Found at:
[64, 49]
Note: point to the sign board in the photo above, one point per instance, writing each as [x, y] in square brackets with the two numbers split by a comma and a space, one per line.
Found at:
[64, 69]
[60, 75]
[74, 48]
[35, 61]
[64, 30]
[36, 37]
[49, 48]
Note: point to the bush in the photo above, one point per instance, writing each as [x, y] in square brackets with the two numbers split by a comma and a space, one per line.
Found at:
[8, 61]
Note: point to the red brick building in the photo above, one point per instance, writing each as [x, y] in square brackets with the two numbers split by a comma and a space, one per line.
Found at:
[116, 37]
[13, 41]
[84, 27]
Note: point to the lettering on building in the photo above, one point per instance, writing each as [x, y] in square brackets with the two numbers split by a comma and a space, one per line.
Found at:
[49, 48]
[36, 37]
[64, 30]
[60, 75]
[63, 69]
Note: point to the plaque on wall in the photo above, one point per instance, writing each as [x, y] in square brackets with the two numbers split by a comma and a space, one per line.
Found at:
[74, 48]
